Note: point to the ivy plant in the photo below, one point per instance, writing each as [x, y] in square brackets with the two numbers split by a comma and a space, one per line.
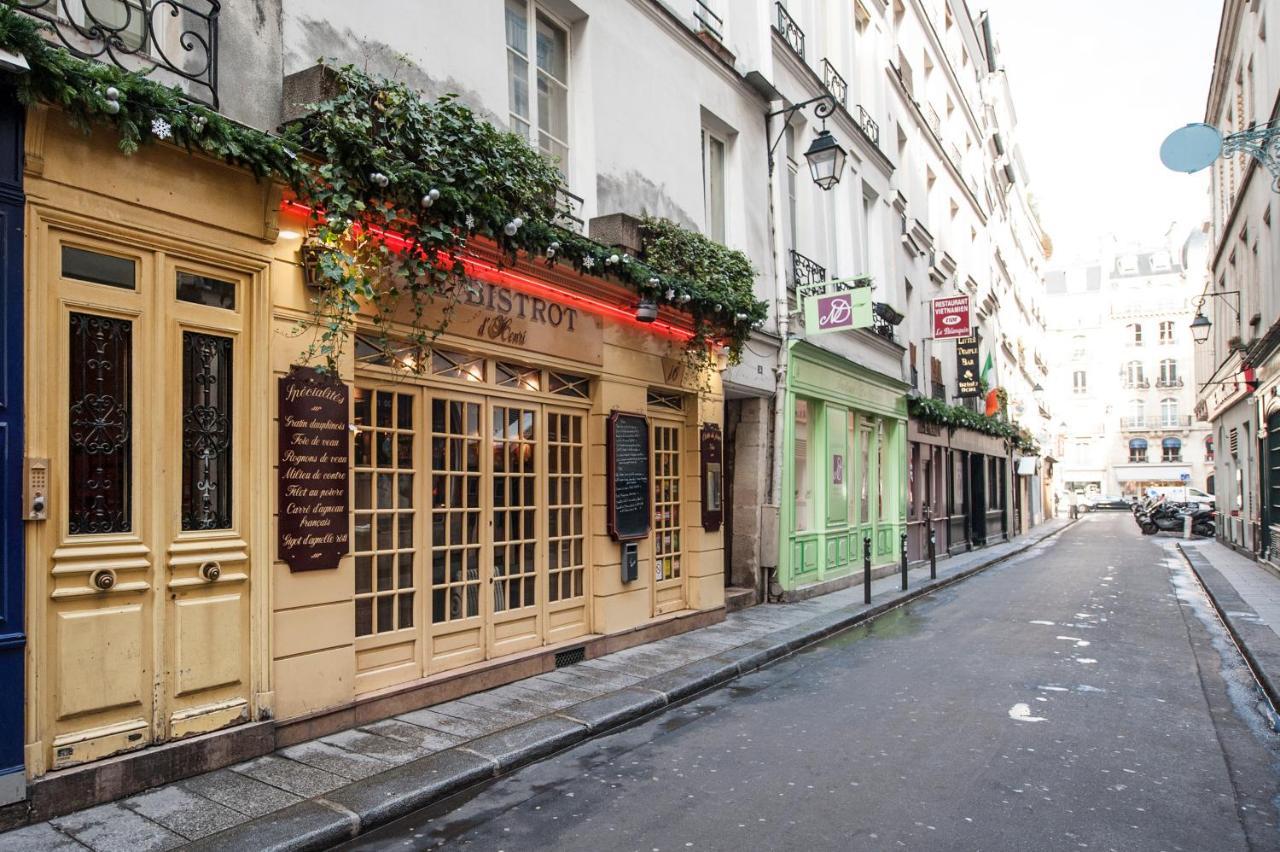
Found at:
[374, 157]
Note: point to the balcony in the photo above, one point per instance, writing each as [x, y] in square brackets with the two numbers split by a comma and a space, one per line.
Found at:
[834, 83]
[708, 21]
[789, 30]
[1154, 424]
[1169, 383]
[869, 128]
[806, 272]
[1140, 384]
[931, 118]
[175, 41]
[569, 211]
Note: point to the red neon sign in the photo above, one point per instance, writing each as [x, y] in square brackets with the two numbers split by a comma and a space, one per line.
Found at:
[487, 271]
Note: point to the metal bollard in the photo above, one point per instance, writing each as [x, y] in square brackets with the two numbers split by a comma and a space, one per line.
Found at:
[933, 555]
[866, 570]
[903, 551]
[1186, 526]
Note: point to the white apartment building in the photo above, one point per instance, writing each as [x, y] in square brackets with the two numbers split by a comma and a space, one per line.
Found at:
[1120, 334]
[1238, 368]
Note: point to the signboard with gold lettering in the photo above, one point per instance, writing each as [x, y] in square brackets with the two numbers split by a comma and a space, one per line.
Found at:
[520, 322]
[314, 470]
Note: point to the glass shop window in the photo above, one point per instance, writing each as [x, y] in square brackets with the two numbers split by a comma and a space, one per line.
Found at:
[803, 474]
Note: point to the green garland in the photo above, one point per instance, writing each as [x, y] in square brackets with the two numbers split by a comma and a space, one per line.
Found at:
[380, 157]
[931, 410]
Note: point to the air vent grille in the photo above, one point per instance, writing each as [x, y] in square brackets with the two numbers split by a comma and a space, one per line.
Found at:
[569, 656]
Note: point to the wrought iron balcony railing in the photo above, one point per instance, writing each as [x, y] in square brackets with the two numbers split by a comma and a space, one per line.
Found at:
[790, 31]
[939, 391]
[931, 118]
[1175, 382]
[174, 41]
[569, 211]
[1138, 383]
[708, 20]
[805, 272]
[1152, 424]
[867, 125]
[834, 83]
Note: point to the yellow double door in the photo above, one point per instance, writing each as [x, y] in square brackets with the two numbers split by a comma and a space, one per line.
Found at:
[469, 528]
[139, 577]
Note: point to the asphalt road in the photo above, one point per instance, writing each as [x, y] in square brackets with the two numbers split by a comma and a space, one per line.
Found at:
[1082, 695]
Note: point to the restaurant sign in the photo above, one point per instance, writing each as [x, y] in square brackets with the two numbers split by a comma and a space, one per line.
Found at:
[314, 470]
[951, 318]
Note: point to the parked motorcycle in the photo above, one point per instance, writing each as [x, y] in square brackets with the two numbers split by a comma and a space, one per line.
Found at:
[1171, 517]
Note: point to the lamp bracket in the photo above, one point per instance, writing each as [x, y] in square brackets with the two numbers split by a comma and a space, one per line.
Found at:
[826, 106]
[1219, 294]
[1262, 143]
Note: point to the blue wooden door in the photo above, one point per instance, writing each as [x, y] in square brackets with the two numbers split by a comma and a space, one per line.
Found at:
[12, 639]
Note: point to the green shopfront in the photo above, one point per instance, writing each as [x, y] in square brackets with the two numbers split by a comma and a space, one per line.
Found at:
[844, 471]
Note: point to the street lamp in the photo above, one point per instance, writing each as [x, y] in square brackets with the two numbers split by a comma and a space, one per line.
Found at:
[1037, 393]
[826, 159]
[825, 155]
[1200, 328]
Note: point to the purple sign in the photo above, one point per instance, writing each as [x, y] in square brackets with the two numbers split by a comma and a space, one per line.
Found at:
[838, 311]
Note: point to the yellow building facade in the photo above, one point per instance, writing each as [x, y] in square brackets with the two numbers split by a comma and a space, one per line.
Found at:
[165, 300]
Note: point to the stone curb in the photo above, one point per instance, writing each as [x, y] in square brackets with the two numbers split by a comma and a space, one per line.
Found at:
[1257, 641]
[372, 802]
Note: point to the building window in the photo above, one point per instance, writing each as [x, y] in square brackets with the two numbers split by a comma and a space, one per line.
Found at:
[667, 548]
[206, 431]
[1138, 451]
[1136, 412]
[514, 444]
[569, 385]
[539, 101]
[1133, 376]
[1171, 450]
[793, 214]
[1208, 448]
[1166, 331]
[456, 509]
[1168, 411]
[566, 505]
[803, 475]
[1134, 333]
[517, 376]
[1079, 346]
[1079, 382]
[1168, 373]
[713, 185]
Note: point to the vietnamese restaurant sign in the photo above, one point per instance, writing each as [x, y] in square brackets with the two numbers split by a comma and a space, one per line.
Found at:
[951, 318]
[837, 305]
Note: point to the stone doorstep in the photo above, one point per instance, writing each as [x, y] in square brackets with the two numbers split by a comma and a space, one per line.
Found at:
[382, 798]
[1256, 639]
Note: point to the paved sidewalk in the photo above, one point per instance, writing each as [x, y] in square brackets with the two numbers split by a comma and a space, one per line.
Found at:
[1247, 597]
[317, 793]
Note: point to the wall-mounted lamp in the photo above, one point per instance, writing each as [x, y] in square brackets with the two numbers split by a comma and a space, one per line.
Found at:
[825, 156]
[1201, 325]
[646, 311]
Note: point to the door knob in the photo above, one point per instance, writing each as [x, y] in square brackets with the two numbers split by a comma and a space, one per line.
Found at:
[211, 570]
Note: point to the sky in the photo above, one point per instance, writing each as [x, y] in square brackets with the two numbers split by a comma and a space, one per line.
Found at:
[1097, 85]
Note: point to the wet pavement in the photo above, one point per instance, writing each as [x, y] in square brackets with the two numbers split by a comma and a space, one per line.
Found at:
[1081, 695]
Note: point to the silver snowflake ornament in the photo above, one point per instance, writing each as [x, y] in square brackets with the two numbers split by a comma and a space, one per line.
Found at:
[470, 222]
[588, 262]
[161, 129]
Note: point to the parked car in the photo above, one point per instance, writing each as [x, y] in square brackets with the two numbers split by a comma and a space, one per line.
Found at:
[1184, 494]
[1100, 501]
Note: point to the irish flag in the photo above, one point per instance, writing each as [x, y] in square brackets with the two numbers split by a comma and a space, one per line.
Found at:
[993, 404]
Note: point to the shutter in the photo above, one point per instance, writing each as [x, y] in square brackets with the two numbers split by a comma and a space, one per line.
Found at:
[1234, 442]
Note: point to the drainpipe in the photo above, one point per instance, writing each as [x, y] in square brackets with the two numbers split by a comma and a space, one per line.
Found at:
[774, 128]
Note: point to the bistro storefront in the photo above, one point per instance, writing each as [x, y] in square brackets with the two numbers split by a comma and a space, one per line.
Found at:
[843, 470]
[478, 487]
[960, 483]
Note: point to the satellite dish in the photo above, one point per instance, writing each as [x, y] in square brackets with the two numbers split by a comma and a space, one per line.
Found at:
[1191, 148]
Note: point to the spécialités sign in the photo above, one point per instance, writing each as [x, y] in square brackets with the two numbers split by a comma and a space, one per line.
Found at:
[314, 470]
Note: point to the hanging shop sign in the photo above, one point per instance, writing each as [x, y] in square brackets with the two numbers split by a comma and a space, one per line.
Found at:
[628, 476]
[952, 319]
[712, 477]
[967, 367]
[837, 305]
[314, 470]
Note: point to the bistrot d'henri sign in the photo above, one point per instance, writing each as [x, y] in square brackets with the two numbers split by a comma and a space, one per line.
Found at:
[314, 470]
[837, 305]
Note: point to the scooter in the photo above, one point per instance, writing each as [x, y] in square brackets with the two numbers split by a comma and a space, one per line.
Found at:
[1171, 517]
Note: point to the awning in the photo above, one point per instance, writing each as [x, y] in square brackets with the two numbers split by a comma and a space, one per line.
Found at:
[1171, 443]
[1138, 443]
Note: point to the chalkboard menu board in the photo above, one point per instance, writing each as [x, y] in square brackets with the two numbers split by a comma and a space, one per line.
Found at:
[628, 476]
[712, 477]
[314, 470]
